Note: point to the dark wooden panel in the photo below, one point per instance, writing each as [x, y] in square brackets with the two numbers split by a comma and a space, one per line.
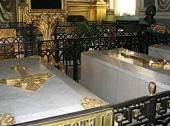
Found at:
[46, 4]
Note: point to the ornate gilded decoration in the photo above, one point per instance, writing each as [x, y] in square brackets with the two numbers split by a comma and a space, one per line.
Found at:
[96, 118]
[46, 22]
[143, 60]
[158, 107]
[163, 64]
[89, 103]
[61, 67]
[136, 113]
[45, 19]
[6, 33]
[6, 119]
[27, 81]
[119, 117]
[48, 45]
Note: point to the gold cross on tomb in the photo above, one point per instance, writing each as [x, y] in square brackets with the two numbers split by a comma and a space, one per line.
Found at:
[27, 81]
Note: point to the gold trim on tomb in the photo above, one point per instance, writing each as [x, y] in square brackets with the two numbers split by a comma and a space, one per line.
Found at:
[26, 81]
[97, 118]
[162, 64]
[6, 119]
[143, 60]
[89, 103]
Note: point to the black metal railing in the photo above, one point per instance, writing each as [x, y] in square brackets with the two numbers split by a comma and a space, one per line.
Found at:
[147, 110]
[70, 43]
[23, 44]
[109, 36]
[143, 111]
[16, 47]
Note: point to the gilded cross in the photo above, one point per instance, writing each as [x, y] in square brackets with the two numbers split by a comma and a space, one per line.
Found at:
[27, 81]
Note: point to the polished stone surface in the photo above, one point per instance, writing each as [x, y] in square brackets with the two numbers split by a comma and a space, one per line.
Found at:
[160, 51]
[59, 95]
[116, 78]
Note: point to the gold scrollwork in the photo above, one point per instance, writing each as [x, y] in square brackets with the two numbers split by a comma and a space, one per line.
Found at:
[48, 45]
[168, 105]
[162, 64]
[27, 81]
[45, 21]
[89, 103]
[136, 113]
[97, 118]
[119, 117]
[158, 107]
[6, 33]
[61, 67]
[6, 119]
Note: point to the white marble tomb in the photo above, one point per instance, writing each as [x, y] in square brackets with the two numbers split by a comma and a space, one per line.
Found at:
[58, 95]
[160, 51]
[116, 78]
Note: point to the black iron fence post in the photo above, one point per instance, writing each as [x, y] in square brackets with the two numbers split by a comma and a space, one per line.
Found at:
[152, 111]
[75, 64]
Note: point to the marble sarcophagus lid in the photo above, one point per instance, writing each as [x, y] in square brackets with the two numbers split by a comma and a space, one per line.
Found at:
[160, 51]
[120, 74]
[31, 89]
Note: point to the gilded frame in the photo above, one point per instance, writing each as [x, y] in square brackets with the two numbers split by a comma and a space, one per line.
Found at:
[46, 10]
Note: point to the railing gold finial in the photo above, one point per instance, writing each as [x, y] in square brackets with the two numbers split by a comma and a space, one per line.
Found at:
[152, 88]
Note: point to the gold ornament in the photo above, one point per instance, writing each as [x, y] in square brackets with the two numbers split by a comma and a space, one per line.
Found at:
[27, 81]
[89, 103]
